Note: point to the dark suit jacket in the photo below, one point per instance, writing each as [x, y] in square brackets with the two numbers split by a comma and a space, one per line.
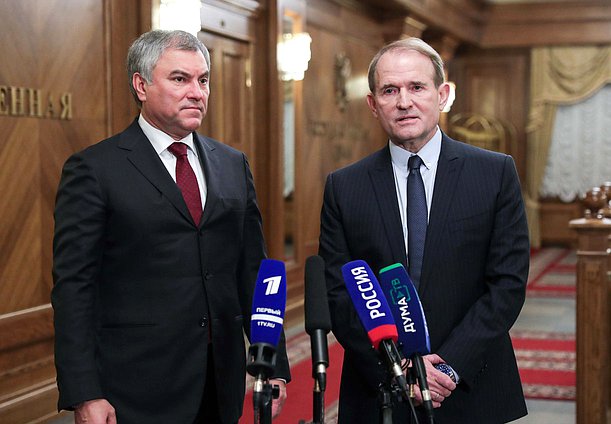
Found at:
[473, 278]
[140, 290]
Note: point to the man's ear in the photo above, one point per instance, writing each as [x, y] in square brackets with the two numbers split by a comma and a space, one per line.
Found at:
[371, 102]
[139, 84]
[444, 95]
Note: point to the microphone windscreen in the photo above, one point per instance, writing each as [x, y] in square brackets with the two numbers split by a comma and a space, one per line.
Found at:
[406, 310]
[369, 302]
[316, 304]
[269, 303]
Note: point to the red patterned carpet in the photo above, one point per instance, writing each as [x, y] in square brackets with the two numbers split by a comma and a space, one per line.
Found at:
[552, 273]
[547, 359]
[298, 406]
[547, 364]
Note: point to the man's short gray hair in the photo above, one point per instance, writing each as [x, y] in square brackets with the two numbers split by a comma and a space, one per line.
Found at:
[145, 52]
[411, 43]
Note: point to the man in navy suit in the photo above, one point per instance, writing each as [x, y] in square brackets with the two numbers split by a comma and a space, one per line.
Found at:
[152, 297]
[472, 280]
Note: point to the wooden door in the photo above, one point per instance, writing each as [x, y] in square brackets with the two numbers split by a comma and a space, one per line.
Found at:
[229, 117]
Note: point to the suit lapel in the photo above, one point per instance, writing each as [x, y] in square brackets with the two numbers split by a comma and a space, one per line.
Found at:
[144, 157]
[383, 182]
[448, 170]
[213, 172]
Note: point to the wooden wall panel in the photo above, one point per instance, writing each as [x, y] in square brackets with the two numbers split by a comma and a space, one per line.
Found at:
[334, 137]
[62, 69]
[547, 23]
[495, 83]
[67, 59]
[267, 124]
[503, 23]
[230, 104]
[125, 20]
[554, 217]
[326, 137]
[27, 374]
[338, 129]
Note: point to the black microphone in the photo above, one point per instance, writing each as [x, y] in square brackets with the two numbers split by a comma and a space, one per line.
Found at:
[317, 325]
[268, 307]
[317, 318]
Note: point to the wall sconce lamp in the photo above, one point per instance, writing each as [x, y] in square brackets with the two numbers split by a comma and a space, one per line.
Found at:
[293, 56]
[178, 14]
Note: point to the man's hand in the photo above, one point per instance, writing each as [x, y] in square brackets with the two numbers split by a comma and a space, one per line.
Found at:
[278, 403]
[440, 385]
[96, 411]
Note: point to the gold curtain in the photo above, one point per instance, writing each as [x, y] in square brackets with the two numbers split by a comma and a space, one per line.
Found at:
[559, 76]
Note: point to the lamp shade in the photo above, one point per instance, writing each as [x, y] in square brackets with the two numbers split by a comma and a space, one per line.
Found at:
[293, 56]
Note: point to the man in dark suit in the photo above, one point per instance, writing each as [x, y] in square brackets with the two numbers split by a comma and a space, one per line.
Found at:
[474, 267]
[151, 295]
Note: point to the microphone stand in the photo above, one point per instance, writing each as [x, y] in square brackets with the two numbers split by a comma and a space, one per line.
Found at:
[385, 405]
[318, 403]
[320, 361]
[420, 373]
[393, 360]
[411, 381]
[398, 383]
[262, 402]
[261, 366]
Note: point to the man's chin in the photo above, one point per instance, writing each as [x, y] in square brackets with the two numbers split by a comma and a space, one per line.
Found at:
[406, 135]
[192, 124]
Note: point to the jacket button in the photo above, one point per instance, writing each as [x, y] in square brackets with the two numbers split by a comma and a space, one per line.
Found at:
[203, 322]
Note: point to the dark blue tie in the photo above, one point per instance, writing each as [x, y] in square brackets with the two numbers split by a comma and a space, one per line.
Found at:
[416, 218]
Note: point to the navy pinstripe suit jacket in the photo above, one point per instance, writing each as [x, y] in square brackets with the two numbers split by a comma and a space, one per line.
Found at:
[473, 277]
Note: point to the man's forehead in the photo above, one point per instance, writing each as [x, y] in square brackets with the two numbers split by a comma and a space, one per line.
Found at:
[410, 68]
[177, 60]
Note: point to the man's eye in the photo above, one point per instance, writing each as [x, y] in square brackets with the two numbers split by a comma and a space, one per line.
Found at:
[203, 81]
[389, 90]
[179, 79]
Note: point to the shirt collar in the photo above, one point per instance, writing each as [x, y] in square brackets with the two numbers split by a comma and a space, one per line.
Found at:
[429, 152]
[160, 140]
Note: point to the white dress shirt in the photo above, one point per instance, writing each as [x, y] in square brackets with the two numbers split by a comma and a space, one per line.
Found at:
[161, 141]
[430, 157]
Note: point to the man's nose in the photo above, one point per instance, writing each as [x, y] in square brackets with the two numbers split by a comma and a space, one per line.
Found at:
[196, 90]
[404, 100]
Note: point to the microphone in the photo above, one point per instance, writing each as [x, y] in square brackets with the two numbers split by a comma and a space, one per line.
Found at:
[406, 309]
[375, 315]
[317, 325]
[268, 306]
[413, 332]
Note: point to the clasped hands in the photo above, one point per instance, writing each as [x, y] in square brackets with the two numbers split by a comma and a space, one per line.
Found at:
[440, 385]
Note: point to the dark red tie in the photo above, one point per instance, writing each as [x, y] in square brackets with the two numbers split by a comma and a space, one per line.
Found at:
[185, 178]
